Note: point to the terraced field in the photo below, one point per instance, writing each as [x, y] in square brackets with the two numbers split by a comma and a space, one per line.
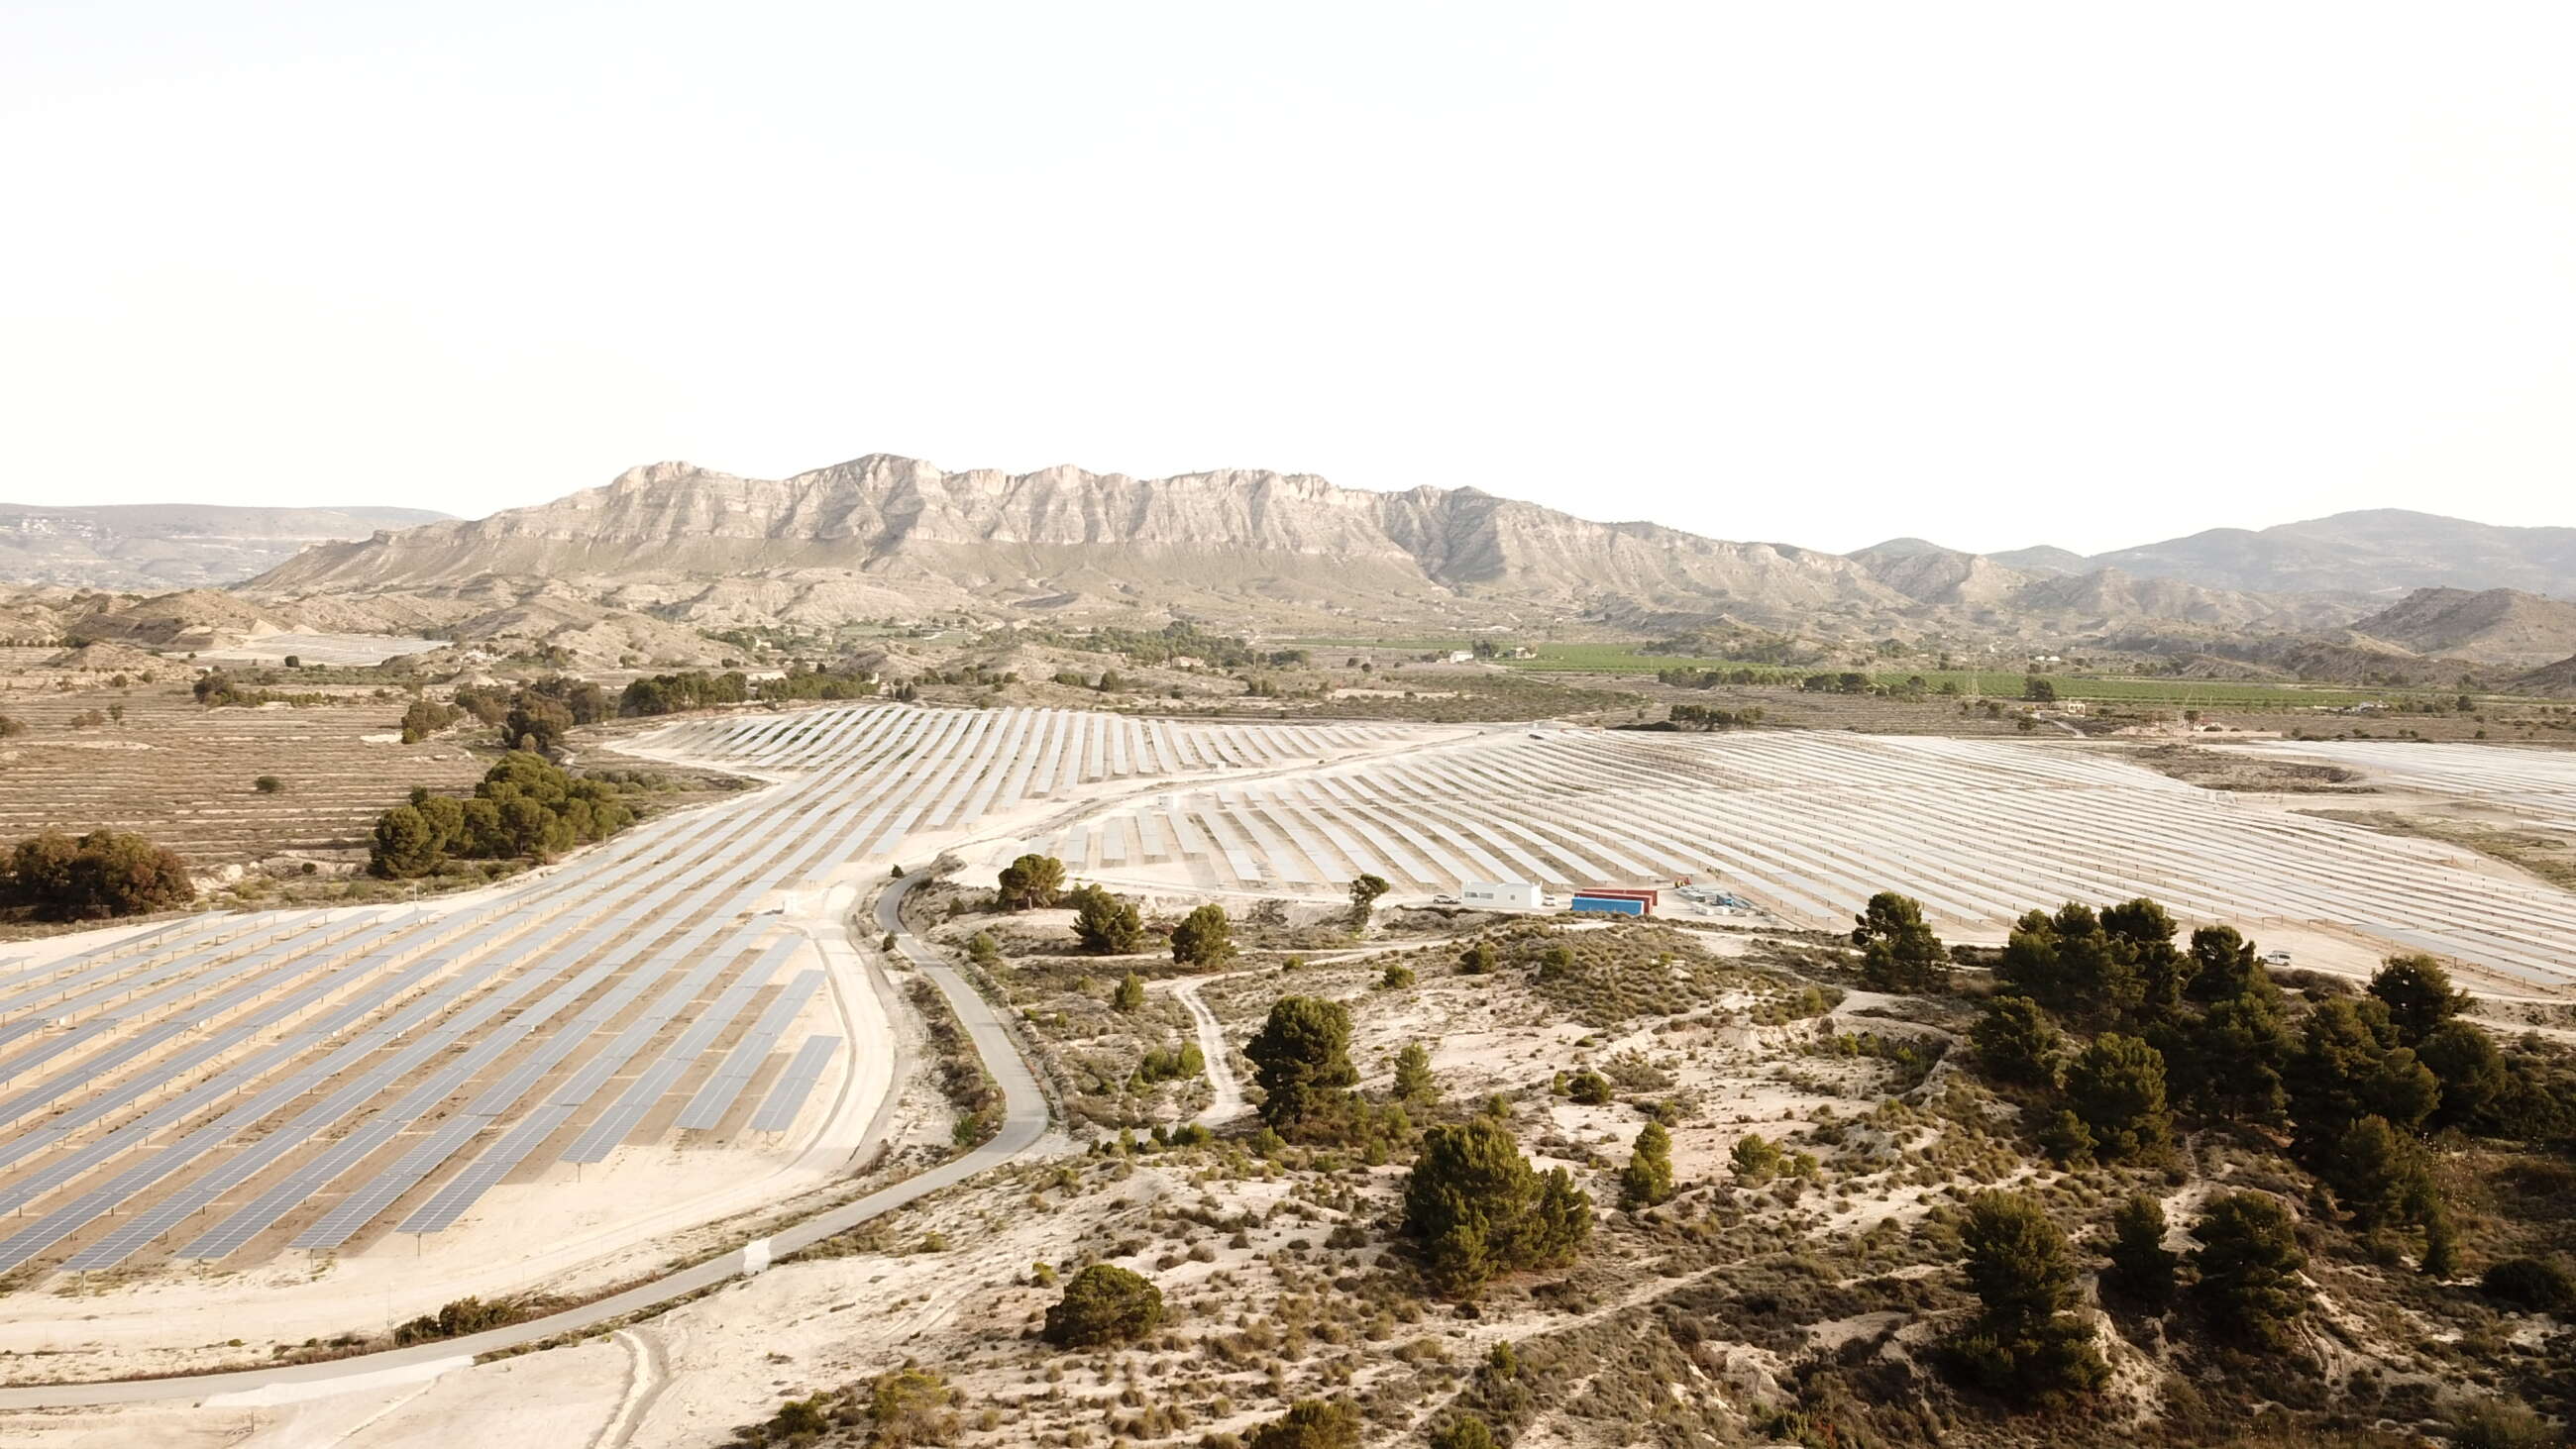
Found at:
[184, 774]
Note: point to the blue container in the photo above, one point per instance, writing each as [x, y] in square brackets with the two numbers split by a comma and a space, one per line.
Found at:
[1620, 904]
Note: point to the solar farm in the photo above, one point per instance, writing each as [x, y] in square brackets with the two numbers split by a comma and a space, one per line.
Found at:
[2536, 785]
[1808, 825]
[239, 1086]
[334, 1087]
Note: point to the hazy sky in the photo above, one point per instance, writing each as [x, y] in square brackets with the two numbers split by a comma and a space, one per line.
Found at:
[1991, 274]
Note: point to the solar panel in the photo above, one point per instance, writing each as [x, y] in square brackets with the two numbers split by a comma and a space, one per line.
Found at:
[740, 1065]
[787, 1096]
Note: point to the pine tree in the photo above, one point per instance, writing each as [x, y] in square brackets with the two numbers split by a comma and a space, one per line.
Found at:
[1032, 882]
[1105, 924]
[2418, 994]
[1414, 1084]
[1648, 1179]
[1365, 889]
[1203, 938]
[1301, 1059]
[2142, 1267]
[2249, 1263]
[1898, 951]
[2015, 1041]
[2024, 1341]
[1475, 1208]
[1130, 996]
[2117, 1085]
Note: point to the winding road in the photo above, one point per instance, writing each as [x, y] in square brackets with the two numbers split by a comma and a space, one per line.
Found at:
[1024, 1124]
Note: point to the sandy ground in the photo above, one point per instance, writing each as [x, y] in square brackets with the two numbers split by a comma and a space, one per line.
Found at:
[350, 649]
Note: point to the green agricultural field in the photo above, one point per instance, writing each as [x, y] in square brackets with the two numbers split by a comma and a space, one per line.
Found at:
[1625, 659]
[1600, 658]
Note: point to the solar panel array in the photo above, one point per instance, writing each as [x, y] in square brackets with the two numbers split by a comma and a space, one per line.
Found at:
[1810, 824]
[299, 1077]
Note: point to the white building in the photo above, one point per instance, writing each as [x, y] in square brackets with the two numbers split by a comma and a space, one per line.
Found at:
[1499, 895]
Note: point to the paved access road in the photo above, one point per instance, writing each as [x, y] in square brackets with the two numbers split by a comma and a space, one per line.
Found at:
[1024, 1122]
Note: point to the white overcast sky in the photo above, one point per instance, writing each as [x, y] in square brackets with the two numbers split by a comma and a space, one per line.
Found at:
[1991, 274]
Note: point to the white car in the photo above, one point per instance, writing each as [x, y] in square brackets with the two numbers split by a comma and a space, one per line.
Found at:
[2276, 958]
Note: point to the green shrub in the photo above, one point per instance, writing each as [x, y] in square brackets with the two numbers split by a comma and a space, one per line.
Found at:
[1310, 1424]
[1104, 1304]
[1756, 1158]
[2533, 1283]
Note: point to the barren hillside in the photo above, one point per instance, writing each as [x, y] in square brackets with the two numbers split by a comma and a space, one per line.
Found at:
[2495, 626]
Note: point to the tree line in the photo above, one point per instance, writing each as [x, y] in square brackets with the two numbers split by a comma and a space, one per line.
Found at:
[524, 806]
[51, 876]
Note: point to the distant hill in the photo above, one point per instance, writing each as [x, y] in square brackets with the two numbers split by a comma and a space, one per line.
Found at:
[1931, 574]
[2491, 626]
[2077, 601]
[2377, 551]
[154, 546]
[2043, 560]
[2558, 678]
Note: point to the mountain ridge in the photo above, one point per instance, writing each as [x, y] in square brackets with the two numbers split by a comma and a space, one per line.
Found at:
[1006, 537]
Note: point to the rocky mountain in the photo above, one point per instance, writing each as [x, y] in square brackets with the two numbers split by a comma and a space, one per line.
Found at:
[2492, 626]
[648, 566]
[2375, 551]
[171, 546]
[1062, 536]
